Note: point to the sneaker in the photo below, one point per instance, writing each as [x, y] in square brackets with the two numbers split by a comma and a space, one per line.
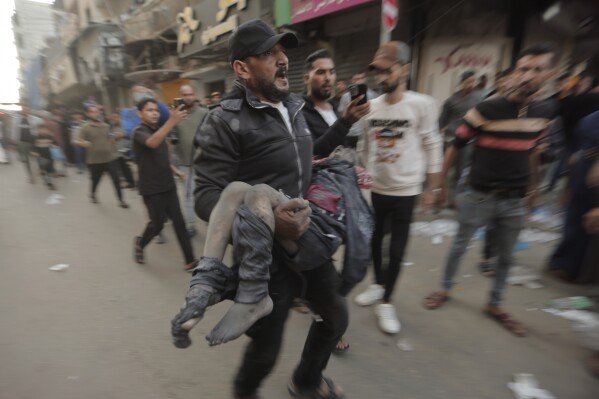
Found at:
[372, 295]
[388, 322]
[159, 239]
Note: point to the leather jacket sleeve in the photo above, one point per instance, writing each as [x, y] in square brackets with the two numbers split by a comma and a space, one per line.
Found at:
[215, 164]
[333, 137]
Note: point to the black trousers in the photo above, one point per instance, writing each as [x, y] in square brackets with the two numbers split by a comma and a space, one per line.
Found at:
[321, 288]
[125, 170]
[160, 207]
[399, 211]
[97, 170]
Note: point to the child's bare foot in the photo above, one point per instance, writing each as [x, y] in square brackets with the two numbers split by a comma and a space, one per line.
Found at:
[238, 319]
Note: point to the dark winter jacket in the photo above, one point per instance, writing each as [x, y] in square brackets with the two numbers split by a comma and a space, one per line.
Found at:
[324, 137]
[338, 204]
[246, 140]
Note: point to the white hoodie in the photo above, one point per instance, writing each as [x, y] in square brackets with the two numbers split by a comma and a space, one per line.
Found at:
[402, 143]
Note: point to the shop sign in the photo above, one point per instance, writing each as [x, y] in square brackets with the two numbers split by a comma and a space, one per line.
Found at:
[443, 61]
[303, 10]
[218, 19]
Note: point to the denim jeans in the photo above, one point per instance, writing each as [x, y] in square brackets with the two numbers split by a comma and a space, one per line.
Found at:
[476, 209]
[188, 208]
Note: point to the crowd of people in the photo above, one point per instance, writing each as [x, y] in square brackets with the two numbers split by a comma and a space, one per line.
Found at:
[279, 176]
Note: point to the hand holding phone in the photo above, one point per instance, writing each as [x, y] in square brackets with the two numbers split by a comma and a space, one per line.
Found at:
[356, 90]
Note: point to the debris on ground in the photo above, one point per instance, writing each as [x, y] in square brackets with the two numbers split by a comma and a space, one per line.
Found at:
[54, 199]
[584, 322]
[571, 303]
[404, 345]
[526, 386]
[59, 267]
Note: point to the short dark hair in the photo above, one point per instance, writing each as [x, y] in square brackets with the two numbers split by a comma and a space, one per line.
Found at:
[505, 72]
[540, 49]
[141, 105]
[317, 55]
[87, 107]
[467, 75]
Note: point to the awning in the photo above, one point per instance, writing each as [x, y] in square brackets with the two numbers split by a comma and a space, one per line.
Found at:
[153, 75]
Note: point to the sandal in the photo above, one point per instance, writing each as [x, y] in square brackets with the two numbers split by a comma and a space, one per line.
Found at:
[333, 391]
[435, 300]
[508, 322]
[487, 268]
[342, 346]
[138, 253]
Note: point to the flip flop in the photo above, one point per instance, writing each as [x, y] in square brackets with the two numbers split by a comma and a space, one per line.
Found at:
[508, 322]
[340, 350]
[296, 392]
[435, 300]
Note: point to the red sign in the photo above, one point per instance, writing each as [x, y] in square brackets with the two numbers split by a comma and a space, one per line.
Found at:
[390, 15]
[303, 10]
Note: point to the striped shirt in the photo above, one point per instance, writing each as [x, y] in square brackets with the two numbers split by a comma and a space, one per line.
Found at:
[504, 135]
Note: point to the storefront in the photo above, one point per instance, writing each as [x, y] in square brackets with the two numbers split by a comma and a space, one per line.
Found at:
[349, 29]
[204, 31]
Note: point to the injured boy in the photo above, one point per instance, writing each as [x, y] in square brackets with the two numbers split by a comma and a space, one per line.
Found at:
[244, 215]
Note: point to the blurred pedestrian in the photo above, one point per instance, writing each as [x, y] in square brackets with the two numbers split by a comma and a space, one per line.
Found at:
[96, 137]
[505, 130]
[404, 152]
[185, 150]
[24, 132]
[123, 147]
[328, 129]
[340, 90]
[155, 182]
[77, 120]
[43, 145]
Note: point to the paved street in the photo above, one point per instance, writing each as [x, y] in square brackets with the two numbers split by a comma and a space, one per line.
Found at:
[100, 329]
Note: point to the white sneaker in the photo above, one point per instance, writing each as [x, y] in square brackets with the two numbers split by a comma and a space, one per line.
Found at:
[388, 322]
[372, 295]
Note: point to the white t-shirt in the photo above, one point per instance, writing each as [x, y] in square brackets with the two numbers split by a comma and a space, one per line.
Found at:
[401, 143]
[328, 115]
[284, 113]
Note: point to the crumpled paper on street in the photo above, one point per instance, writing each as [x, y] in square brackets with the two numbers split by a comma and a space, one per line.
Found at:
[584, 322]
[526, 386]
[54, 199]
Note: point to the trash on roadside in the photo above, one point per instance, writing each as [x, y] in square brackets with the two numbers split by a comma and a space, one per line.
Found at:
[59, 267]
[534, 285]
[54, 199]
[571, 303]
[525, 276]
[407, 264]
[526, 386]
[585, 323]
[436, 240]
[404, 345]
[468, 275]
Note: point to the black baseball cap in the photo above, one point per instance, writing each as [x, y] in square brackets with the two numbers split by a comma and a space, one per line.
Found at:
[255, 37]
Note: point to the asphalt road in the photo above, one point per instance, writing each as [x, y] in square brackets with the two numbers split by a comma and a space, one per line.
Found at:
[100, 329]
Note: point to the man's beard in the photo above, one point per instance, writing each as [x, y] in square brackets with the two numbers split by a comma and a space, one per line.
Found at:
[270, 90]
[320, 94]
[389, 88]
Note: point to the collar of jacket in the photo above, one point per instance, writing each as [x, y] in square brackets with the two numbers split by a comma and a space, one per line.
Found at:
[240, 93]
